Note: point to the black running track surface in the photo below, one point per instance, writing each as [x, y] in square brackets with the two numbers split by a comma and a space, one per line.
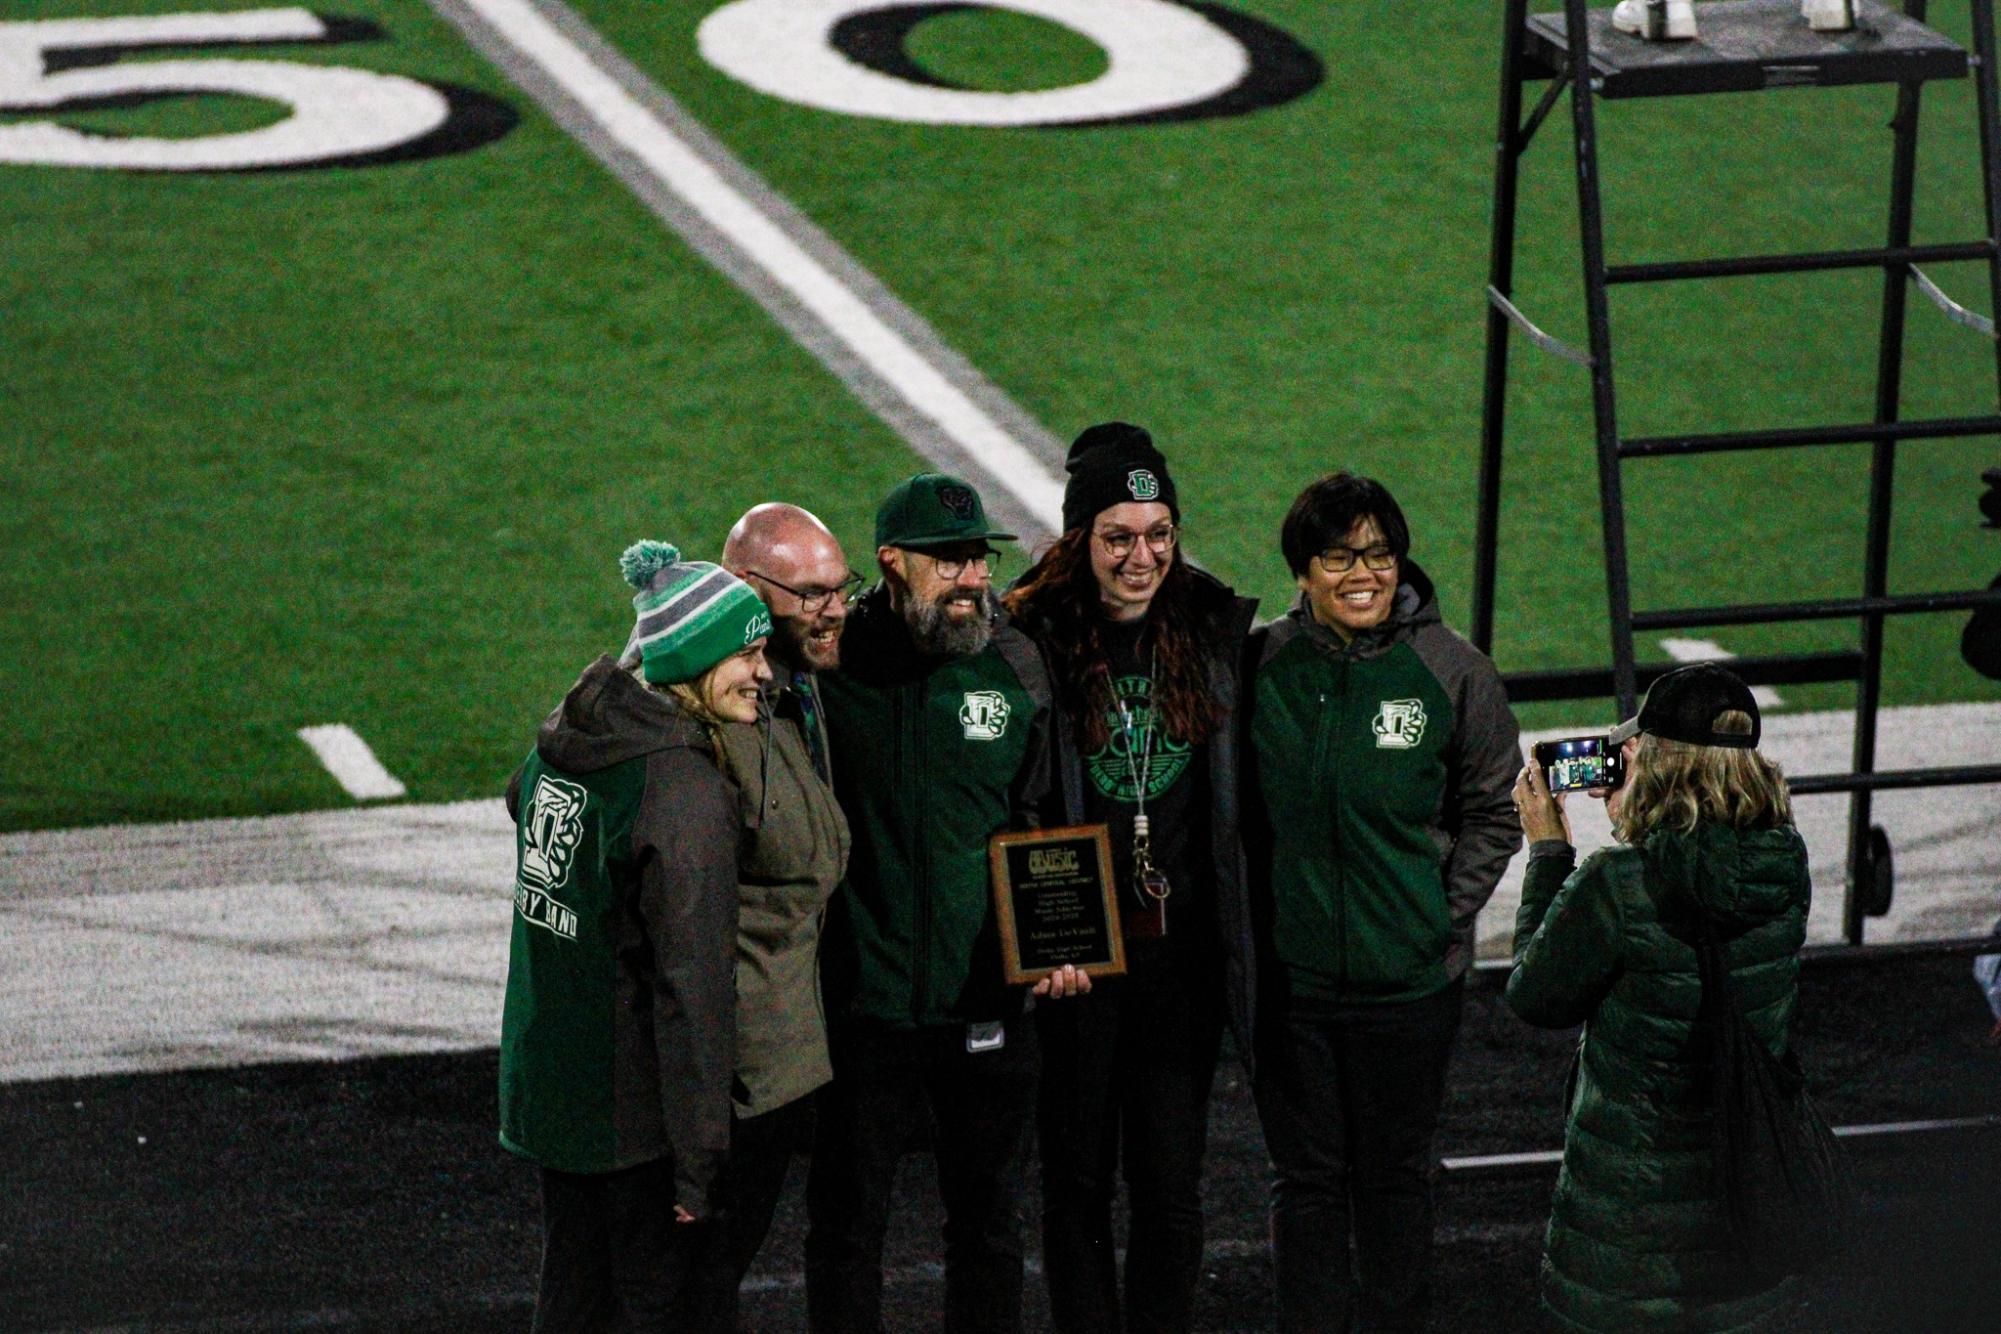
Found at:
[371, 1194]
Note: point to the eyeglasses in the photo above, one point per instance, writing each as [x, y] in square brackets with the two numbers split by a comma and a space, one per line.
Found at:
[951, 567]
[1119, 542]
[816, 599]
[1339, 560]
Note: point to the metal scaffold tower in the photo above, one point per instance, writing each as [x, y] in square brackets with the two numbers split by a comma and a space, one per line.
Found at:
[1745, 46]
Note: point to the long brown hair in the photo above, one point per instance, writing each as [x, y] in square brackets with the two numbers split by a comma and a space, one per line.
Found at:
[1059, 595]
[1676, 785]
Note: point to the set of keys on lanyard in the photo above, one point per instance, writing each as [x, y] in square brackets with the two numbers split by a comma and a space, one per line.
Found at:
[1149, 881]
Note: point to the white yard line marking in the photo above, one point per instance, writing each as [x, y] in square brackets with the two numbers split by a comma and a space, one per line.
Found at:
[1550, 1157]
[1708, 650]
[543, 48]
[348, 758]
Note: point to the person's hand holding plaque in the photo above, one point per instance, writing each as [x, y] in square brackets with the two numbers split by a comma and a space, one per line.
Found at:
[1069, 980]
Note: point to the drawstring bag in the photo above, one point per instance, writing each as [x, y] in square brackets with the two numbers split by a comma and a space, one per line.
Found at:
[1787, 1189]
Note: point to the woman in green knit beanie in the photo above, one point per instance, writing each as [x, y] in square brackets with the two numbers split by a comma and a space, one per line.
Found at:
[618, 1033]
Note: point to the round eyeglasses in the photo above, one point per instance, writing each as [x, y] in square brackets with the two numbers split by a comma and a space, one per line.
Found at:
[1119, 542]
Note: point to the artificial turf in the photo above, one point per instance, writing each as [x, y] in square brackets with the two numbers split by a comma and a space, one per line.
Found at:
[361, 445]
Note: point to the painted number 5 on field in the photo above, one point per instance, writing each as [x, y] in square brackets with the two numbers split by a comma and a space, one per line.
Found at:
[337, 114]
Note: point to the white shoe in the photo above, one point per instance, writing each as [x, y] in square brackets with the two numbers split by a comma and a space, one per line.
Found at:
[1661, 20]
[1828, 15]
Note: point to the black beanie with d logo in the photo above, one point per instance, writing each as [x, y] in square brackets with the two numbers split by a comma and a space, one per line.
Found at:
[1110, 464]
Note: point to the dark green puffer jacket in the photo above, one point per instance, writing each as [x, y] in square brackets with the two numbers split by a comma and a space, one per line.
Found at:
[1637, 1239]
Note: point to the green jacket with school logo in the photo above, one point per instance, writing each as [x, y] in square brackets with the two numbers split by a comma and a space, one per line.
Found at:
[1383, 772]
[932, 757]
[617, 1038]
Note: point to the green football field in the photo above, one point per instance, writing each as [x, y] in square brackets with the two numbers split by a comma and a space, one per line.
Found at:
[361, 444]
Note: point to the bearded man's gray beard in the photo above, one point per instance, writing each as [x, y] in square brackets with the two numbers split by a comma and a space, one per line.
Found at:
[937, 635]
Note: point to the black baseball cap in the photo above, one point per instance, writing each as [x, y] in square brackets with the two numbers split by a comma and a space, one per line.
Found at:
[932, 509]
[1684, 704]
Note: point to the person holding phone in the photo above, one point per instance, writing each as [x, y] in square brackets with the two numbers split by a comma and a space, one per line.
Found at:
[1144, 651]
[1383, 748]
[1638, 1238]
[617, 1038]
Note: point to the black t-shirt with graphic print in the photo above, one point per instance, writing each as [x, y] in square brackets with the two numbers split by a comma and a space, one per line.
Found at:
[1177, 801]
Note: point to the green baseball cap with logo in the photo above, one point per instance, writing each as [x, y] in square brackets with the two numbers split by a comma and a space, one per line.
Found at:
[932, 509]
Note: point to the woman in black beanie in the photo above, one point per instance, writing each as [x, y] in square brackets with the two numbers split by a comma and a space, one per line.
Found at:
[1144, 651]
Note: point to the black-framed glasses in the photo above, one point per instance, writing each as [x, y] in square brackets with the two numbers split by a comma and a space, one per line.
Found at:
[951, 567]
[1340, 560]
[1119, 542]
[816, 599]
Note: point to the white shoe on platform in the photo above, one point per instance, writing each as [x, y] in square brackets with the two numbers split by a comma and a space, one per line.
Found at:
[1829, 15]
[1661, 20]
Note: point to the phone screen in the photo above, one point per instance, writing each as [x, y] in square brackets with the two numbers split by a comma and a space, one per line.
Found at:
[1577, 763]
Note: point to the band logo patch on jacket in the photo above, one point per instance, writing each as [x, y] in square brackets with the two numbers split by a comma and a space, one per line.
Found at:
[1400, 724]
[551, 828]
[983, 715]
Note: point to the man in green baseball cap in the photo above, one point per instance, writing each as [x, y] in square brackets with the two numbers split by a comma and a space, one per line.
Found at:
[938, 723]
[931, 538]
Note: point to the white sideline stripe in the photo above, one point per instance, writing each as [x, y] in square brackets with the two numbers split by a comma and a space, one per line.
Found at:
[353, 765]
[1473, 1162]
[1540, 1157]
[1915, 1127]
[677, 166]
[381, 928]
[1708, 650]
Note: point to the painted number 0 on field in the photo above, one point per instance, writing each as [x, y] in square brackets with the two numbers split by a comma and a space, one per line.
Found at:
[1161, 56]
[337, 112]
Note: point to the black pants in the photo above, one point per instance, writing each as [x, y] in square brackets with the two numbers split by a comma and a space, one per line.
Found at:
[613, 1258]
[761, 1149]
[885, 1082]
[1349, 1097]
[1126, 1074]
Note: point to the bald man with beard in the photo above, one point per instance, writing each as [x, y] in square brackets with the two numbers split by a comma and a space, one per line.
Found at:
[791, 856]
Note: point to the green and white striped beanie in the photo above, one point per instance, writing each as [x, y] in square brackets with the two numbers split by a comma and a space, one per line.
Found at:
[691, 614]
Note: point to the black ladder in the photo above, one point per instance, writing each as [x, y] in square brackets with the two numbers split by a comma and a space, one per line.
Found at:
[1745, 45]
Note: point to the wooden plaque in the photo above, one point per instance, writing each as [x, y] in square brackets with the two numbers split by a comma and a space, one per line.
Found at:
[1055, 902]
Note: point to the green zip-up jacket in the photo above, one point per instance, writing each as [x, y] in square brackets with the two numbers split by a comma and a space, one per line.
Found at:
[1637, 1236]
[1383, 769]
[931, 758]
[617, 1034]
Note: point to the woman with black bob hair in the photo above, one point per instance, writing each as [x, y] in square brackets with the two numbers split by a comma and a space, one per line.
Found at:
[1144, 652]
[1383, 749]
[1638, 1237]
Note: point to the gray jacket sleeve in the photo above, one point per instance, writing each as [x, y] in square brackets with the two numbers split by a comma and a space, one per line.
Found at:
[1035, 782]
[1478, 826]
[686, 839]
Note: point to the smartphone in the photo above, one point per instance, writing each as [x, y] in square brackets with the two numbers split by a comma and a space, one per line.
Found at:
[1580, 762]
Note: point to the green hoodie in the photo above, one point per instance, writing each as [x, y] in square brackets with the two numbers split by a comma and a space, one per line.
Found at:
[1384, 767]
[617, 1037]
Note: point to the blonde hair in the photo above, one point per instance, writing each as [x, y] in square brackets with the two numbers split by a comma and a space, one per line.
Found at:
[1676, 786]
[688, 697]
